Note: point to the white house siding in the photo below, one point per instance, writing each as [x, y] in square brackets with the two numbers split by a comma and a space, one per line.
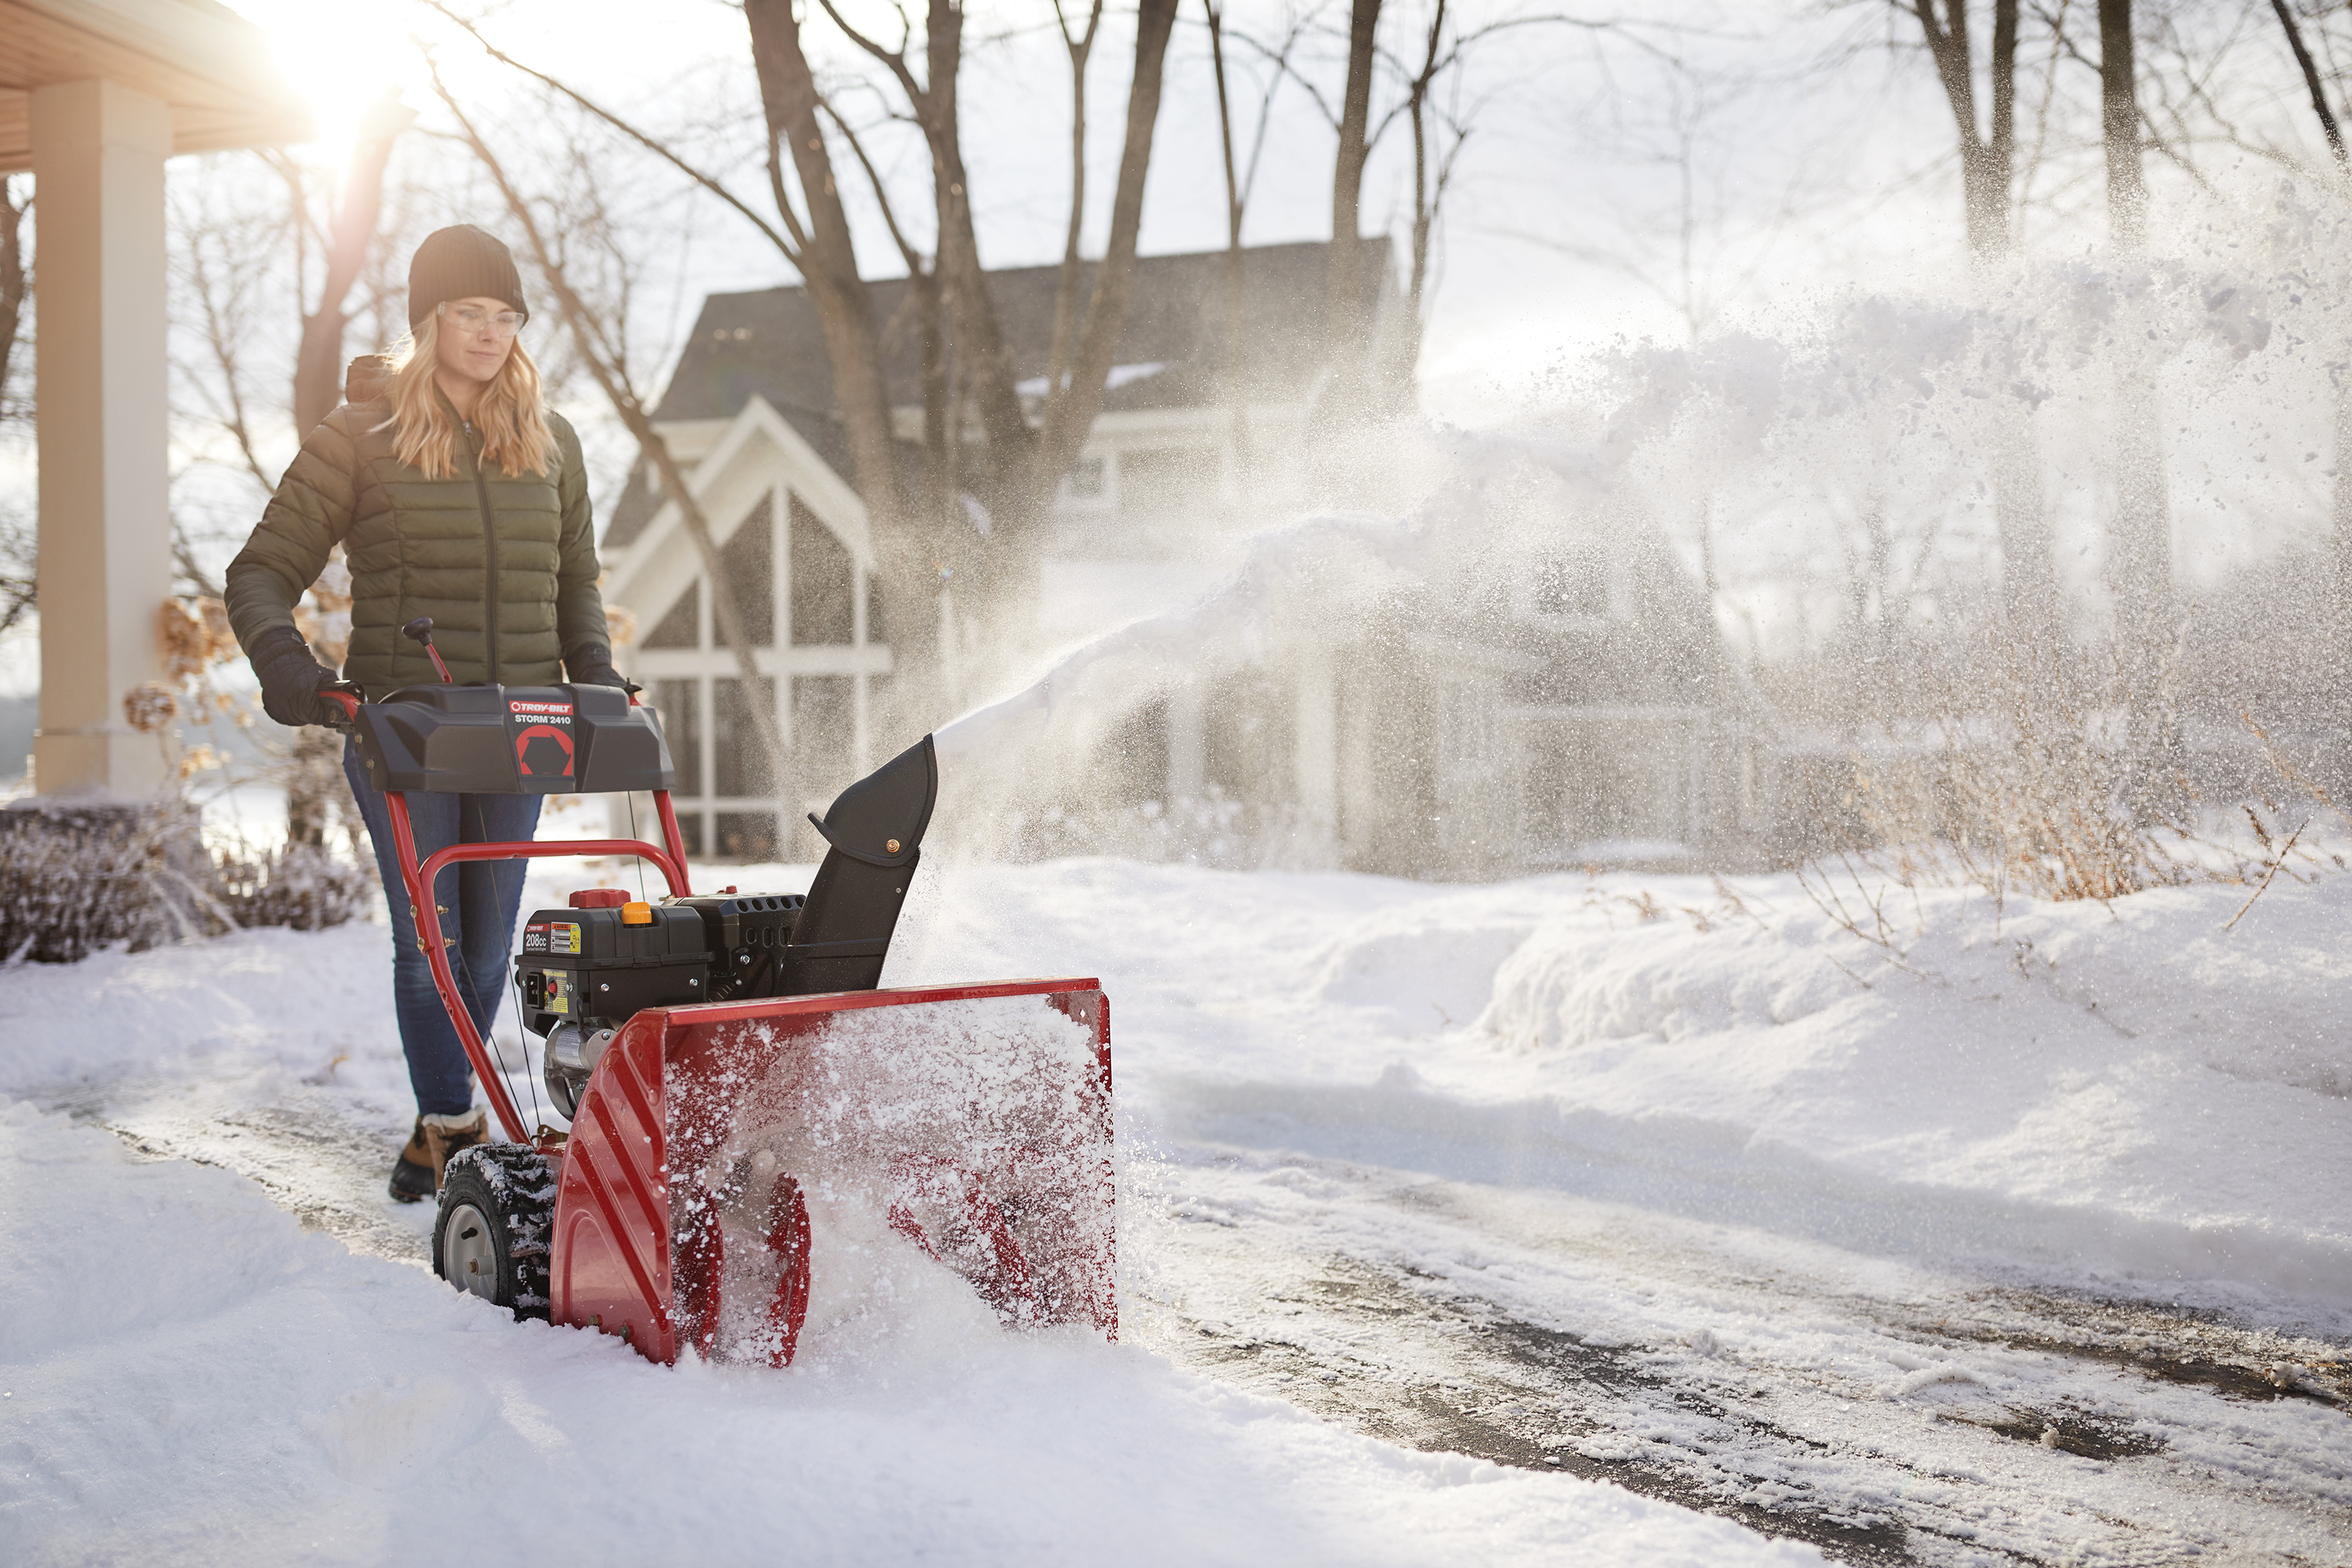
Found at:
[816, 663]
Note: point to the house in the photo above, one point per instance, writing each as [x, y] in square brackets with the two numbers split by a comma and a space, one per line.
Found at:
[1561, 700]
[750, 411]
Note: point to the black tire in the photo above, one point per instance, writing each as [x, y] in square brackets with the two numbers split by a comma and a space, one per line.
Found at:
[490, 1237]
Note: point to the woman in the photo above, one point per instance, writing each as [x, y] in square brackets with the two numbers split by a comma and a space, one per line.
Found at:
[456, 494]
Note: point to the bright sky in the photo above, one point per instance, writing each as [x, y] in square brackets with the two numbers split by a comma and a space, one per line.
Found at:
[1507, 310]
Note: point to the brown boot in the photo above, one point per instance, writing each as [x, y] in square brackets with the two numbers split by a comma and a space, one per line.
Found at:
[412, 1174]
[445, 1135]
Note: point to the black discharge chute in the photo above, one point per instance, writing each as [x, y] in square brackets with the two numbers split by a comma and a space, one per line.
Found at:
[874, 830]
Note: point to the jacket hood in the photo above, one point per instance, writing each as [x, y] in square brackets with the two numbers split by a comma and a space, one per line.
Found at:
[369, 378]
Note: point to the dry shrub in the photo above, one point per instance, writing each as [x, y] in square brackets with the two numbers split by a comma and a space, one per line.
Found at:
[76, 878]
[2025, 779]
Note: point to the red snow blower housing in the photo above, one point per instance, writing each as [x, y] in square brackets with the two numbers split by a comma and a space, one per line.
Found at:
[747, 1111]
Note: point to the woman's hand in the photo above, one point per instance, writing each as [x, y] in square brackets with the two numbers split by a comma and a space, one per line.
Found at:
[292, 680]
[590, 665]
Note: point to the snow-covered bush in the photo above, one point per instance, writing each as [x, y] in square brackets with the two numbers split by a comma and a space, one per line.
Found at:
[303, 886]
[77, 878]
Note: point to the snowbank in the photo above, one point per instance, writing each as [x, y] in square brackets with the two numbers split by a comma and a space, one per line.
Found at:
[2124, 1098]
[2130, 1100]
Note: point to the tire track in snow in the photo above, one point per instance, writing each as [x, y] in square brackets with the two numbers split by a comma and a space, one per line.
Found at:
[309, 1151]
[1913, 1420]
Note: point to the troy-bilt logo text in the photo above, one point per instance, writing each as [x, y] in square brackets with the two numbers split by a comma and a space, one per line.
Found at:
[544, 742]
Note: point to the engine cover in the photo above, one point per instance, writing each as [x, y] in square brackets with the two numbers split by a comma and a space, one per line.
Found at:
[597, 964]
[747, 934]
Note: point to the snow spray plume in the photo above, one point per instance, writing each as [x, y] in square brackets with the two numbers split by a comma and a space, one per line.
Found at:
[1664, 611]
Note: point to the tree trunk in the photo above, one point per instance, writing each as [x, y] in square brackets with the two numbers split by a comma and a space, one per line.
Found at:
[318, 361]
[2338, 671]
[853, 343]
[1065, 286]
[2029, 582]
[2119, 127]
[1069, 423]
[1344, 282]
[1236, 376]
[2143, 531]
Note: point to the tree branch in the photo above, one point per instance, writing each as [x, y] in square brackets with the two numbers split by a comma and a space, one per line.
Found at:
[791, 246]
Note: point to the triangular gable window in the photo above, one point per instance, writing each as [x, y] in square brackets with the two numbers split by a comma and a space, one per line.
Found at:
[681, 626]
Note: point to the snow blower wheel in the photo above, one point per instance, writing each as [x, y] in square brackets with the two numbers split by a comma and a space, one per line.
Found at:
[489, 1239]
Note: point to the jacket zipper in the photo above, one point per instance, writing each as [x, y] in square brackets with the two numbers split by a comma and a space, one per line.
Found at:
[490, 554]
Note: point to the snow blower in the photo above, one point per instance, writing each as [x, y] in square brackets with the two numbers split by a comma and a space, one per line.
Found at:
[746, 1108]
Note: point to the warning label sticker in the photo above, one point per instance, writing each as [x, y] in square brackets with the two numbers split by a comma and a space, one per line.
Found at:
[559, 990]
[551, 936]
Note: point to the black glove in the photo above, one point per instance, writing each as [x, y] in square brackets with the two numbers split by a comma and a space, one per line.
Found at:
[290, 678]
[591, 664]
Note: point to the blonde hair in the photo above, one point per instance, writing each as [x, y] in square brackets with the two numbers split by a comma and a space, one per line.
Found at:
[511, 415]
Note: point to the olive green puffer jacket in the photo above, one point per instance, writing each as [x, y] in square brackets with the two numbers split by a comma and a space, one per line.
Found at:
[506, 567]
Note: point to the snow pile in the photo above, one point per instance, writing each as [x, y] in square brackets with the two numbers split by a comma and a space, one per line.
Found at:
[2119, 1098]
[2130, 1099]
[186, 1375]
[2129, 1088]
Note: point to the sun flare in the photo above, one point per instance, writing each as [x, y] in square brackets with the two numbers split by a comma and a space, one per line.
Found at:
[342, 57]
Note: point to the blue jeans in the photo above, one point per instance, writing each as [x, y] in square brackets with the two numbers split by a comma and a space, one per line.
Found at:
[482, 898]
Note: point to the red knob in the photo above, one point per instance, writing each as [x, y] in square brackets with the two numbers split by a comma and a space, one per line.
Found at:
[599, 897]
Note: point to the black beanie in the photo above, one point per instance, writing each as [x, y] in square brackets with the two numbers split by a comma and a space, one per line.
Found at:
[461, 263]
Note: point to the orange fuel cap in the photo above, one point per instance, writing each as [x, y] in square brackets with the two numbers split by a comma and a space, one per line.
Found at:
[637, 914]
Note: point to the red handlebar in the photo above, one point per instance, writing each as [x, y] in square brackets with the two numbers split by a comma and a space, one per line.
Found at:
[417, 879]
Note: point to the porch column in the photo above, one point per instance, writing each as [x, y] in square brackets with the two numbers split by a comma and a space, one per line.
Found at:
[103, 419]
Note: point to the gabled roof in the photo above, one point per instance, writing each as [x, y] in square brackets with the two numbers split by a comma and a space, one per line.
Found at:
[1171, 353]
[641, 496]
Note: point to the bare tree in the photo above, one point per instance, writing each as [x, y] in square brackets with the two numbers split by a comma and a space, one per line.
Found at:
[351, 232]
[1241, 179]
[813, 234]
[2143, 526]
[2339, 703]
[2312, 84]
[2120, 126]
[1988, 174]
[1081, 48]
[1988, 153]
[1344, 281]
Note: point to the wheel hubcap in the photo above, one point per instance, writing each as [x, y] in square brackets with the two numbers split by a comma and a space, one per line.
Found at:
[469, 1260]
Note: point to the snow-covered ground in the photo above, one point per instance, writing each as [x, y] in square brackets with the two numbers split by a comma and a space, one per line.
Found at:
[2019, 1234]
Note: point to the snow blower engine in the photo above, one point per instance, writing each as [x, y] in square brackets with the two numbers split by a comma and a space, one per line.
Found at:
[586, 970]
[734, 1081]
